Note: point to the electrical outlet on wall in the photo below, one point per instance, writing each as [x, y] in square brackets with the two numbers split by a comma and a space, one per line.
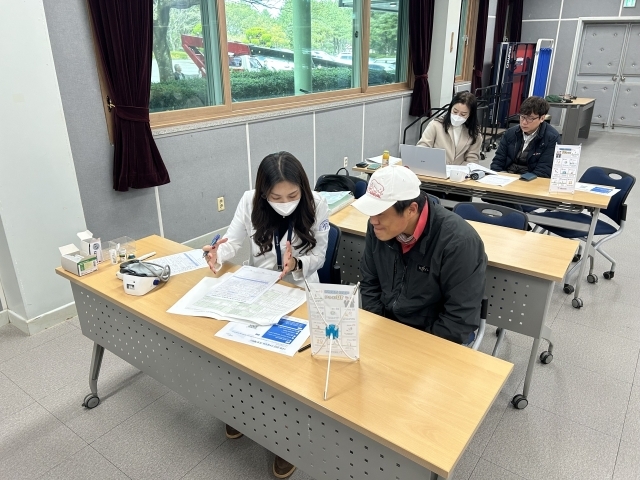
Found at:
[346, 162]
[220, 204]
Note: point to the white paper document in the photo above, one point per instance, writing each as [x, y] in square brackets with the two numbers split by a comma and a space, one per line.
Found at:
[182, 262]
[497, 180]
[564, 171]
[246, 285]
[277, 302]
[285, 337]
[378, 159]
[461, 168]
[597, 189]
[334, 305]
[477, 166]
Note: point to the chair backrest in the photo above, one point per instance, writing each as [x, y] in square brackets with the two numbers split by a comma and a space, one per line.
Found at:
[361, 187]
[325, 272]
[433, 198]
[612, 178]
[493, 214]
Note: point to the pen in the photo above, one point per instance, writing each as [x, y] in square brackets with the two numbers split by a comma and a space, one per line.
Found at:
[213, 243]
[145, 256]
[304, 348]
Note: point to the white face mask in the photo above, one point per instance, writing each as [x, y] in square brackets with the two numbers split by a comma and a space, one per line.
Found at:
[457, 120]
[284, 209]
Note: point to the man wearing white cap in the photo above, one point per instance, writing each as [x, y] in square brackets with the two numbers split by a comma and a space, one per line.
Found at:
[423, 265]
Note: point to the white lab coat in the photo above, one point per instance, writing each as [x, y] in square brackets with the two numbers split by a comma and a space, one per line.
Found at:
[241, 227]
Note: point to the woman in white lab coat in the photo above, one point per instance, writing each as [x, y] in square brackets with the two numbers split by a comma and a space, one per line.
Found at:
[289, 230]
[286, 221]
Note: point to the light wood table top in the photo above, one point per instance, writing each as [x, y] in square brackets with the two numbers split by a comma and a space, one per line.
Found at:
[575, 102]
[534, 189]
[420, 395]
[541, 256]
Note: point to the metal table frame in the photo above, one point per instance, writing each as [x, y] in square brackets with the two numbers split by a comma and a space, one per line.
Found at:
[318, 444]
[517, 302]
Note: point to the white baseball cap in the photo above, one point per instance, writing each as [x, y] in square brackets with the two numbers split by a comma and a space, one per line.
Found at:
[387, 186]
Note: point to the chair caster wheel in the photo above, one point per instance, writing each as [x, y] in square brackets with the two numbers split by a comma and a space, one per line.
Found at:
[519, 401]
[608, 275]
[577, 303]
[546, 357]
[482, 156]
[568, 288]
[576, 258]
[498, 330]
[91, 401]
[592, 278]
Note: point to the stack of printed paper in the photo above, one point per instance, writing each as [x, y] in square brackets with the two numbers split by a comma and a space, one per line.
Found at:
[249, 295]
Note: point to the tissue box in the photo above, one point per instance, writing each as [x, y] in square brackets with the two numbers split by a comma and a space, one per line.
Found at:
[90, 245]
[76, 262]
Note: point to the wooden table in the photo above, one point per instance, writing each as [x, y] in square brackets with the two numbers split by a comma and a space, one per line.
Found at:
[577, 121]
[408, 407]
[535, 194]
[522, 267]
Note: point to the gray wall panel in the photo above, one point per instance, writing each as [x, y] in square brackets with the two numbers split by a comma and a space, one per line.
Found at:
[381, 127]
[493, 6]
[109, 214]
[533, 31]
[562, 62]
[631, 12]
[589, 8]
[292, 134]
[204, 165]
[338, 135]
[413, 134]
[536, 9]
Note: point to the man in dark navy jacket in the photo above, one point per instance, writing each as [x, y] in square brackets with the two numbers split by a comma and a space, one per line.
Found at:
[529, 146]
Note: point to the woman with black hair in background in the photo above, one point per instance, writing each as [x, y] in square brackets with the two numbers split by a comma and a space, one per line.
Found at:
[289, 230]
[457, 132]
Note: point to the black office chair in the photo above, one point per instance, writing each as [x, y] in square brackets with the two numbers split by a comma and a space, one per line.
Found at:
[493, 214]
[330, 272]
[616, 211]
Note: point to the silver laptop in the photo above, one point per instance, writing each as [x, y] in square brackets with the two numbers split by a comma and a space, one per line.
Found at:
[430, 162]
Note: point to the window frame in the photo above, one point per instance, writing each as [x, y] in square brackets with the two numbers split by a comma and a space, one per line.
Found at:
[469, 49]
[231, 109]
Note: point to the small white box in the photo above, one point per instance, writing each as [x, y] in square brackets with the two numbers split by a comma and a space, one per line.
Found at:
[90, 245]
[76, 262]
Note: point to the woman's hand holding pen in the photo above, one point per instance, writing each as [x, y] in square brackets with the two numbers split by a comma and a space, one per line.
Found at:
[289, 262]
[211, 254]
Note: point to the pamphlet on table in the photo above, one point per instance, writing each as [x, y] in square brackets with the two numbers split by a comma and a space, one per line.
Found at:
[182, 262]
[564, 171]
[285, 337]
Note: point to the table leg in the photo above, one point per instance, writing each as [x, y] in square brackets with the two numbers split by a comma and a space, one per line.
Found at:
[587, 116]
[433, 476]
[588, 250]
[570, 126]
[92, 400]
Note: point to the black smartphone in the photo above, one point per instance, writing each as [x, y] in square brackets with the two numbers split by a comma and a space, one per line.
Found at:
[362, 165]
[527, 177]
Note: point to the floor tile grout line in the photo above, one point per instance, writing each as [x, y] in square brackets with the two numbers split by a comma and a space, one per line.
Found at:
[38, 346]
[118, 468]
[615, 463]
[602, 332]
[500, 466]
[137, 412]
[69, 456]
[207, 456]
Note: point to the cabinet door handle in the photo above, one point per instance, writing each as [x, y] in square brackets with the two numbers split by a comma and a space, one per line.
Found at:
[623, 78]
[614, 78]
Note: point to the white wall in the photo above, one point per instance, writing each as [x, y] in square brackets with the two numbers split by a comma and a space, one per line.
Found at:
[442, 68]
[40, 206]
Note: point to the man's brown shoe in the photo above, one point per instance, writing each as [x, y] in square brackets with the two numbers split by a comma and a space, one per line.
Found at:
[282, 468]
[232, 432]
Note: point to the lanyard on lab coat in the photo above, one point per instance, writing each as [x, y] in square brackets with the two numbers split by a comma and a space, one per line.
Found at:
[277, 244]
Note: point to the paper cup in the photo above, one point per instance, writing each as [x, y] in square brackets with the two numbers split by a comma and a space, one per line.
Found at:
[457, 176]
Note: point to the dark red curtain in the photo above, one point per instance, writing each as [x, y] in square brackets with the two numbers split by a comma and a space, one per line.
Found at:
[501, 21]
[481, 39]
[124, 31]
[515, 29]
[420, 33]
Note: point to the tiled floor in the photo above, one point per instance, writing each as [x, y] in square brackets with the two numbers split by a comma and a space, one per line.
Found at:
[582, 422]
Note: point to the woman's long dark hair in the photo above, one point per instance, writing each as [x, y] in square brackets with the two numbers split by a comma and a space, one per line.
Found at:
[273, 169]
[468, 99]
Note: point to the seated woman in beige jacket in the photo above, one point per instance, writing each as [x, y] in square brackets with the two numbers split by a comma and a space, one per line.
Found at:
[456, 132]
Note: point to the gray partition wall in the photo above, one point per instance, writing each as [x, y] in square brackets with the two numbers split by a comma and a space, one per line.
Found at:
[559, 20]
[212, 161]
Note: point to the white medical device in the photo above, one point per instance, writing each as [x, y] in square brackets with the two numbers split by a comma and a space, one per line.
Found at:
[139, 278]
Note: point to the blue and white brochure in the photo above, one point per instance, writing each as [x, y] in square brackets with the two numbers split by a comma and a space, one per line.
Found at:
[285, 337]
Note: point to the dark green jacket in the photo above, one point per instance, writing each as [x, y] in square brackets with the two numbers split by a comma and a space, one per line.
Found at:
[437, 286]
